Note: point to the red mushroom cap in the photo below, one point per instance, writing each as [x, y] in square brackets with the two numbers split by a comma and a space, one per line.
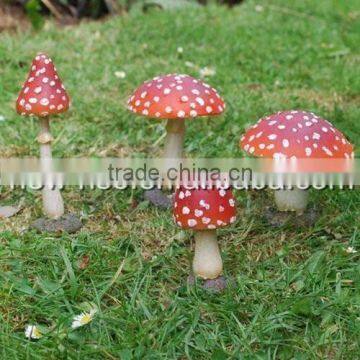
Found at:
[174, 97]
[295, 134]
[43, 93]
[204, 209]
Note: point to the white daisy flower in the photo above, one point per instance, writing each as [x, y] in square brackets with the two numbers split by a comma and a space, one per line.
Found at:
[32, 332]
[83, 319]
[351, 250]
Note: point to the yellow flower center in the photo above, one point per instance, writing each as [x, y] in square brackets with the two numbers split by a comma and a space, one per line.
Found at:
[85, 319]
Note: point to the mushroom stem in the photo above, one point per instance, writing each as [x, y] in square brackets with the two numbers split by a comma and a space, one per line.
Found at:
[294, 199]
[52, 201]
[207, 262]
[175, 129]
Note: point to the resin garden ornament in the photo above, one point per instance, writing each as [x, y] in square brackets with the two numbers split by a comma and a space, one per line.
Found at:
[175, 98]
[204, 211]
[295, 134]
[43, 95]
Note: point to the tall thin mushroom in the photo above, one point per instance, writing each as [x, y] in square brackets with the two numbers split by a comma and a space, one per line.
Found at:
[43, 95]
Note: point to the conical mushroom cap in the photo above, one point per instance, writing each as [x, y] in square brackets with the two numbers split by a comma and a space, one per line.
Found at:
[43, 93]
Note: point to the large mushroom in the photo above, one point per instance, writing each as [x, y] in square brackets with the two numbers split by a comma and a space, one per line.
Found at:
[295, 134]
[43, 95]
[204, 211]
[175, 98]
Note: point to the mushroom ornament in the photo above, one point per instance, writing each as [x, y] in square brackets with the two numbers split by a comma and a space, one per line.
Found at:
[204, 211]
[175, 98]
[43, 95]
[295, 134]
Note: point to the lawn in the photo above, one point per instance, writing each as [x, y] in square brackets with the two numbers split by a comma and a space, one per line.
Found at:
[297, 292]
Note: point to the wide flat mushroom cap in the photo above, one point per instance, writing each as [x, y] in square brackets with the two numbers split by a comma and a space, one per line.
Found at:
[174, 97]
[43, 93]
[295, 134]
[204, 209]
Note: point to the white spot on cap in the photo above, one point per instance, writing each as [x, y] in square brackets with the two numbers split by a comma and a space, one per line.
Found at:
[316, 136]
[198, 213]
[167, 91]
[232, 219]
[137, 102]
[285, 143]
[261, 146]
[205, 220]
[195, 92]
[209, 109]
[232, 202]
[44, 101]
[45, 80]
[192, 222]
[327, 151]
[181, 114]
[37, 90]
[156, 99]
[324, 129]
[272, 136]
[26, 90]
[145, 112]
[60, 107]
[181, 195]
[168, 109]
[185, 210]
[193, 113]
[184, 98]
[272, 122]
[32, 100]
[308, 151]
[200, 101]
[222, 192]
[143, 94]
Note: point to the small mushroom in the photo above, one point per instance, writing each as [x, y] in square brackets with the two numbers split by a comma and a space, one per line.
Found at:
[295, 134]
[43, 95]
[175, 98]
[205, 210]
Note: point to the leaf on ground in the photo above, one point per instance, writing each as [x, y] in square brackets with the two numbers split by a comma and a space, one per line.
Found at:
[8, 211]
[84, 262]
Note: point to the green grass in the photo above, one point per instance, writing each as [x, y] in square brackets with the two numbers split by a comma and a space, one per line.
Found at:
[297, 291]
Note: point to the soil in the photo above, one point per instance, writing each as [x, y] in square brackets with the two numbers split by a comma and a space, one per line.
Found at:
[12, 18]
[69, 223]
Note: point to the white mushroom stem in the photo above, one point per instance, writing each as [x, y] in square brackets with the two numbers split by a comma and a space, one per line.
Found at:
[294, 199]
[207, 262]
[53, 204]
[174, 141]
